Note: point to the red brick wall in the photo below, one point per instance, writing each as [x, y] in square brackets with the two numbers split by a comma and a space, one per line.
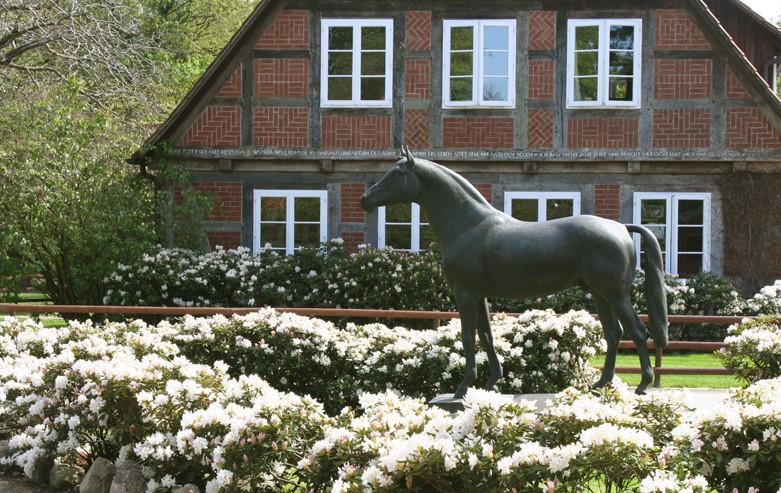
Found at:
[281, 127]
[216, 126]
[227, 239]
[356, 131]
[352, 239]
[750, 128]
[602, 133]
[290, 31]
[607, 201]
[540, 134]
[735, 89]
[478, 132]
[351, 202]
[540, 79]
[682, 79]
[227, 199]
[542, 30]
[281, 78]
[418, 36]
[232, 87]
[416, 128]
[417, 79]
[676, 31]
[681, 128]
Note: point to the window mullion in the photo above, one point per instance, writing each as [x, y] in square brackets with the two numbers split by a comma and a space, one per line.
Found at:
[357, 64]
[604, 63]
[415, 228]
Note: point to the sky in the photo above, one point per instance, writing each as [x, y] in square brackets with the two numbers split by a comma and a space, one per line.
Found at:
[769, 9]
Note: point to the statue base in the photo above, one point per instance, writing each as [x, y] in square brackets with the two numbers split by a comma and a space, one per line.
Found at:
[446, 401]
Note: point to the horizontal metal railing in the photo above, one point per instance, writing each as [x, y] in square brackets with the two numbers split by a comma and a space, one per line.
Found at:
[435, 316]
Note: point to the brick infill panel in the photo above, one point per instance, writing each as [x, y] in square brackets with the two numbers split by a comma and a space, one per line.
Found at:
[281, 78]
[681, 128]
[750, 128]
[542, 30]
[607, 201]
[357, 131]
[227, 199]
[418, 25]
[281, 127]
[494, 133]
[676, 31]
[290, 31]
[602, 133]
[217, 126]
[352, 212]
[682, 79]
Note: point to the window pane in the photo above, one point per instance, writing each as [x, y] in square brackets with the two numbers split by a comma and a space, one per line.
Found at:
[398, 237]
[660, 232]
[461, 89]
[622, 62]
[653, 211]
[496, 38]
[426, 237]
[496, 63]
[273, 209]
[306, 235]
[422, 216]
[373, 38]
[461, 38]
[340, 38]
[372, 88]
[273, 234]
[690, 211]
[340, 63]
[398, 213]
[340, 88]
[373, 64]
[307, 209]
[525, 209]
[690, 239]
[622, 37]
[620, 89]
[461, 63]
[587, 63]
[587, 37]
[586, 89]
[558, 208]
[689, 265]
[495, 89]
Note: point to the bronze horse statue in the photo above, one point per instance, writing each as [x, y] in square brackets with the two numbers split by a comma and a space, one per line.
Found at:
[487, 253]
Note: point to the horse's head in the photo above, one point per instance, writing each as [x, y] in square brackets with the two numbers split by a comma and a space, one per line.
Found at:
[399, 185]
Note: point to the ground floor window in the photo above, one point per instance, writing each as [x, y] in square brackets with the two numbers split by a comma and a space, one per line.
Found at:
[404, 227]
[541, 206]
[681, 223]
[287, 220]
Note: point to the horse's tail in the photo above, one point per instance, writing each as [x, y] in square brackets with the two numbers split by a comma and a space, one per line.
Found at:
[654, 285]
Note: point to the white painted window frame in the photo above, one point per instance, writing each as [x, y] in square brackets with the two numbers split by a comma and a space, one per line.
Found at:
[671, 224]
[415, 224]
[356, 24]
[604, 66]
[542, 199]
[477, 63]
[290, 221]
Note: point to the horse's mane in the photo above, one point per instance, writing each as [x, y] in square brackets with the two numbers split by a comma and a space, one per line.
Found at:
[470, 189]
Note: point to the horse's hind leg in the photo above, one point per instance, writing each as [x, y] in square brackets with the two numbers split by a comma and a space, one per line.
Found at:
[636, 331]
[467, 308]
[487, 340]
[612, 331]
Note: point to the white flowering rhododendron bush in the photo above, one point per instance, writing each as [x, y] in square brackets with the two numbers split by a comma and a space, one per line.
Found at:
[329, 276]
[228, 404]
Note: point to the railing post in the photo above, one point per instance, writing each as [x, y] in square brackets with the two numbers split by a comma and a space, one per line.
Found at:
[658, 364]
[436, 323]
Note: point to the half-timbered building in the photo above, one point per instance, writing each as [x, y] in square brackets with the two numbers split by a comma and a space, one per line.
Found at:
[642, 111]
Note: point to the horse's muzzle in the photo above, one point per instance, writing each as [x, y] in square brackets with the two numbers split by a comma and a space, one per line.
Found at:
[367, 204]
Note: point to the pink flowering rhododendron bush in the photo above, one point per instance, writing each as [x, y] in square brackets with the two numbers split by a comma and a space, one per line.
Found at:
[222, 403]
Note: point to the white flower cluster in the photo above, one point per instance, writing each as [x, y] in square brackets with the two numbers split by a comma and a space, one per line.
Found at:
[767, 301]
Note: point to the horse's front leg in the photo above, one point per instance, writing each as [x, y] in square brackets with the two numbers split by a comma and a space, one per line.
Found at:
[467, 308]
[612, 331]
[487, 340]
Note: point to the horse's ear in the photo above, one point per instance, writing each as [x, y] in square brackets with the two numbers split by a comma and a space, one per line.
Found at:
[408, 154]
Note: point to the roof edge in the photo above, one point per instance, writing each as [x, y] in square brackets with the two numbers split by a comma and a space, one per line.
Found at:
[216, 68]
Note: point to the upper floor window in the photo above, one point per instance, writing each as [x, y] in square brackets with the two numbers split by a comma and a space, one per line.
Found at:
[404, 227]
[681, 223]
[287, 220]
[479, 63]
[541, 206]
[357, 62]
[603, 63]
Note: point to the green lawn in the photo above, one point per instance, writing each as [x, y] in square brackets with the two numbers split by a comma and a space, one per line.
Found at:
[678, 360]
